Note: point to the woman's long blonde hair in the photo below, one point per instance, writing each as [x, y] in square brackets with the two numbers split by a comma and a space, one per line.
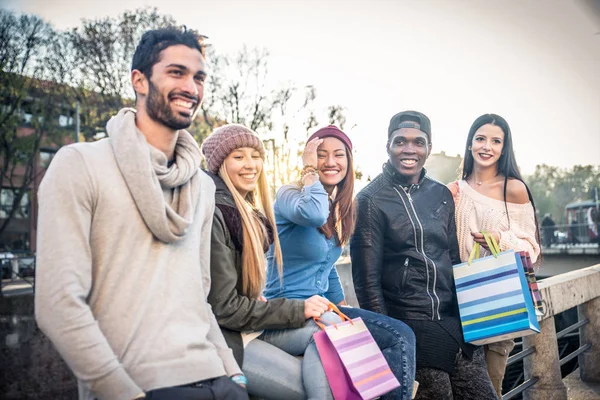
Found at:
[255, 233]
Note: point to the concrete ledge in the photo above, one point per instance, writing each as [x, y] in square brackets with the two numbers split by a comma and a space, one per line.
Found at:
[578, 390]
[569, 290]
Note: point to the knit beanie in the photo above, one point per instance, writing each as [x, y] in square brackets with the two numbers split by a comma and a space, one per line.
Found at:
[331, 131]
[223, 140]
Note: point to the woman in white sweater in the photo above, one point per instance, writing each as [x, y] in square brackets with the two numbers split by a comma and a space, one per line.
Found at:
[491, 196]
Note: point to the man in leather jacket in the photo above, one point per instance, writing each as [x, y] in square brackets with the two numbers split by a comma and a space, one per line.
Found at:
[402, 253]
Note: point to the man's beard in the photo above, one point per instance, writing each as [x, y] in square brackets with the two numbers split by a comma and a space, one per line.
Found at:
[159, 110]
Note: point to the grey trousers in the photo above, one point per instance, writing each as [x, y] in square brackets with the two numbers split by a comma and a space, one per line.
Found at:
[469, 381]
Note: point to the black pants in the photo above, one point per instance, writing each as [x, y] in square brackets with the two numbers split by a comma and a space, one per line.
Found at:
[221, 388]
[470, 381]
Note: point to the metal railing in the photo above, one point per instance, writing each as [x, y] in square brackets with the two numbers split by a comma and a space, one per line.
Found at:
[542, 369]
[17, 270]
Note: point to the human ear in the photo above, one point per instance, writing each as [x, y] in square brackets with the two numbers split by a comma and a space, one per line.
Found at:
[139, 82]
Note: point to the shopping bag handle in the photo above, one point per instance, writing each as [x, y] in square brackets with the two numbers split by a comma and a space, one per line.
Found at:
[332, 307]
[491, 242]
[476, 250]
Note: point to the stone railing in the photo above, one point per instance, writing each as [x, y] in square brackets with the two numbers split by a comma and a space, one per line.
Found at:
[541, 362]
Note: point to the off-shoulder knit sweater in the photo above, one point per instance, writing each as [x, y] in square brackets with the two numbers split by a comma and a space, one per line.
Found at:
[476, 212]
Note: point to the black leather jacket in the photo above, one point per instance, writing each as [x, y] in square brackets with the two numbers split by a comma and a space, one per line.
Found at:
[404, 247]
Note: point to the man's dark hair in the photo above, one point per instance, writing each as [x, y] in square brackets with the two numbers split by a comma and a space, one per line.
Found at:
[147, 52]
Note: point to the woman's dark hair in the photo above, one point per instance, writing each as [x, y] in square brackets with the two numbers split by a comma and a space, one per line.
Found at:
[153, 42]
[341, 212]
[507, 163]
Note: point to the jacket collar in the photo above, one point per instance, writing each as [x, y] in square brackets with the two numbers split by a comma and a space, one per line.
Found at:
[392, 174]
[222, 194]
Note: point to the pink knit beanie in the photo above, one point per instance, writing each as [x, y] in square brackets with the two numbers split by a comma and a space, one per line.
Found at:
[332, 131]
[224, 140]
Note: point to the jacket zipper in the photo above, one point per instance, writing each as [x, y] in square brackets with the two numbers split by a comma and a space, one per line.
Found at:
[433, 313]
[424, 254]
[404, 274]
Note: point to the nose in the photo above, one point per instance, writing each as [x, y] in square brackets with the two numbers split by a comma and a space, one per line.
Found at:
[330, 161]
[190, 87]
[486, 145]
[409, 148]
[250, 163]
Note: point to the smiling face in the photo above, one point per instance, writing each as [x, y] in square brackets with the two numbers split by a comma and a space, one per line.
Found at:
[487, 145]
[176, 87]
[332, 162]
[244, 166]
[408, 149]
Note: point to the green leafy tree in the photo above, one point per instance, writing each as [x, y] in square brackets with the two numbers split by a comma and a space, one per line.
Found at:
[553, 188]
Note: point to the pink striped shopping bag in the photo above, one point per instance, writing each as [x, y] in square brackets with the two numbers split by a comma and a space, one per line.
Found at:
[353, 363]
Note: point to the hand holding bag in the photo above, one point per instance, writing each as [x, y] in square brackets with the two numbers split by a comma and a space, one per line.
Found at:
[494, 298]
[355, 367]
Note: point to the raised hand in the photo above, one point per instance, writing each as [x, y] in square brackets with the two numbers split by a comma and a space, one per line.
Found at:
[309, 157]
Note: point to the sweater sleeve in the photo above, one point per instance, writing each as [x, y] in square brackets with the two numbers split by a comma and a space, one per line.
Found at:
[232, 309]
[308, 206]
[64, 278]
[215, 336]
[522, 233]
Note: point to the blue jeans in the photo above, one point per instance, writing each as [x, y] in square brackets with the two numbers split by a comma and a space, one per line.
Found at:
[395, 339]
[272, 373]
[297, 342]
[397, 343]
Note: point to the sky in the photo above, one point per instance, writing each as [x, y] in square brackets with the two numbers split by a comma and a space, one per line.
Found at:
[534, 62]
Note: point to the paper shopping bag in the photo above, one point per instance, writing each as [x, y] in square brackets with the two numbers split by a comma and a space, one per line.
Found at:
[355, 367]
[494, 299]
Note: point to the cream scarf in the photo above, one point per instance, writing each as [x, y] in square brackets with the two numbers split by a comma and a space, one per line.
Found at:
[145, 171]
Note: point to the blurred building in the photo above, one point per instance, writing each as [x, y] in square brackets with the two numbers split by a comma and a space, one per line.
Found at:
[442, 167]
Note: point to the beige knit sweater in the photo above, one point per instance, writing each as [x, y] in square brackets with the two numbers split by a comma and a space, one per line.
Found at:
[476, 212]
[128, 312]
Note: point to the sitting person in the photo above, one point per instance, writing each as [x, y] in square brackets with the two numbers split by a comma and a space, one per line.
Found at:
[242, 231]
[402, 253]
[315, 219]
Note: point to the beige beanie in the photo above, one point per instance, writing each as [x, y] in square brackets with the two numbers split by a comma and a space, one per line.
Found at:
[224, 140]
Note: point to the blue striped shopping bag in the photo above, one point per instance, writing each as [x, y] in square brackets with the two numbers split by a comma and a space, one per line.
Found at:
[494, 297]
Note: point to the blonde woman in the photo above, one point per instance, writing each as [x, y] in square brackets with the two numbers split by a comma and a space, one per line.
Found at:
[243, 229]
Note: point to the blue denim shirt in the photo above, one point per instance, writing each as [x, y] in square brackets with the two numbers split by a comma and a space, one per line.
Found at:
[308, 256]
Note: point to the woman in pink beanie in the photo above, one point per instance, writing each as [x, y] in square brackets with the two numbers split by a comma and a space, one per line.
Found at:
[315, 219]
[243, 229]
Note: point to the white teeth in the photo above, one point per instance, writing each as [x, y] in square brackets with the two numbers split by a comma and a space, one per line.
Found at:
[182, 103]
[409, 162]
[248, 176]
[329, 172]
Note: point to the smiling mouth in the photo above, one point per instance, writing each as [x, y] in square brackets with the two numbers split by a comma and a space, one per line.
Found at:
[485, 156]
[186, 105]
[248, 177]
[330, 172]
[408, 162]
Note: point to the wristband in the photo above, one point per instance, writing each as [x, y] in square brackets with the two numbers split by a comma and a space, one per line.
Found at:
[240, 380]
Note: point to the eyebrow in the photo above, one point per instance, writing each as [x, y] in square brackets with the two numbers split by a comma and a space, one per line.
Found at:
[331, 150]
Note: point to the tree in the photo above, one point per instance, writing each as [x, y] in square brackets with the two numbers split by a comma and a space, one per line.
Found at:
[553, 188]
[101, 51]
[35, 103]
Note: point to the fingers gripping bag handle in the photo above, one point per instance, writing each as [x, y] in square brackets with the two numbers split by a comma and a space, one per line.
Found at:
[476, 250]
[333, 308]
